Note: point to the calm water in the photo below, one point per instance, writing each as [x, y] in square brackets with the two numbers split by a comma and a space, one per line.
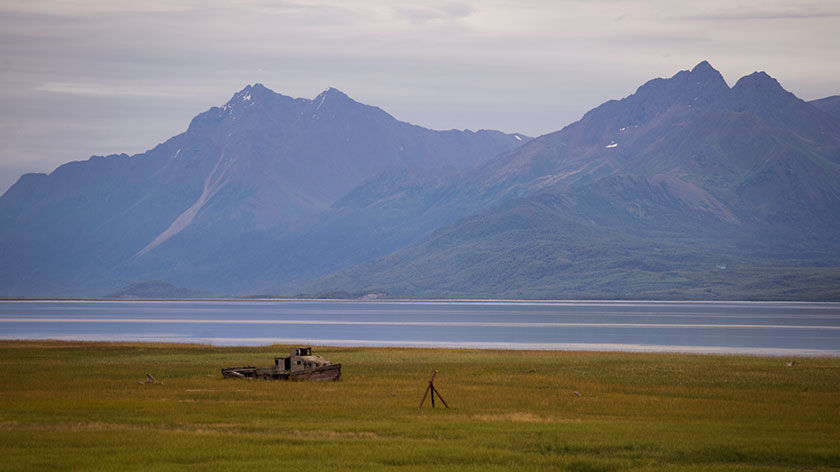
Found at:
[755, 328]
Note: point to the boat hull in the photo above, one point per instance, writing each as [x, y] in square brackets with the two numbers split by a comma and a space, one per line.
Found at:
[322, 373]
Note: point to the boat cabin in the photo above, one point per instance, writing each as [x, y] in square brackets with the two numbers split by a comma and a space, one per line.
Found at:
[300, 358]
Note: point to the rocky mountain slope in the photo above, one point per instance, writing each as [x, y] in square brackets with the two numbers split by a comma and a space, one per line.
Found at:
[829, 105]
[208, 206]
[686, 189]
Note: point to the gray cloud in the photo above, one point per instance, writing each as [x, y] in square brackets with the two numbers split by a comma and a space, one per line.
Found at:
[794, 12]
[109, 76]
[443, 11]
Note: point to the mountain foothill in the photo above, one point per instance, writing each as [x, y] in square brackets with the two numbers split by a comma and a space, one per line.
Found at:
[686, 189]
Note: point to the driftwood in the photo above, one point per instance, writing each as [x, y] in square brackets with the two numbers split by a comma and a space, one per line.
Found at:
[149, 380]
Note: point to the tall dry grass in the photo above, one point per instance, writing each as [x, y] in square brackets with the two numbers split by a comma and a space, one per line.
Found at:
[81, 406]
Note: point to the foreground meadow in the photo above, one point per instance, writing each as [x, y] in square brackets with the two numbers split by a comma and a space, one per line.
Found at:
[80, 406]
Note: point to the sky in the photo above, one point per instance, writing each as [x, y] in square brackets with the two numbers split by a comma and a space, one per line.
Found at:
[98, 77]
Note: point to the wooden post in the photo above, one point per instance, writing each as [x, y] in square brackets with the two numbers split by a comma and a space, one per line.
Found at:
[434, 391]
[428, 388]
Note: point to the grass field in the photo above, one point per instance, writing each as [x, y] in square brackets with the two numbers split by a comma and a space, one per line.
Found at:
[81, 406]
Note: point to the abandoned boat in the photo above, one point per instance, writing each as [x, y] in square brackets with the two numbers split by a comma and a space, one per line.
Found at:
[300, 365]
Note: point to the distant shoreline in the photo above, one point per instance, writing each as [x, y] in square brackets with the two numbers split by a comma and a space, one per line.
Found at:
[416, 300]
[488, 347]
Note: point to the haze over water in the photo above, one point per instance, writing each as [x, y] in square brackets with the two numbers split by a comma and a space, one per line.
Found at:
[764, 328]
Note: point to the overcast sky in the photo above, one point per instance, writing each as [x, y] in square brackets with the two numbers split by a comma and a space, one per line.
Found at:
[84, 77]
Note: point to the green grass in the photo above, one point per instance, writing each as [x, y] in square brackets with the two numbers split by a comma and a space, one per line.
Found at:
[80, 406]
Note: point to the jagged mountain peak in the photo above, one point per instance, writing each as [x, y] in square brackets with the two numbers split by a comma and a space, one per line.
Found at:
[759, 81]
[703, 82]
[702, 75]
[249, 94]
[692, 111]
[703, 66]
[333, 92]
[762, 93]
[333, 98]
[706, 74]
[329, 102]
[700, 88]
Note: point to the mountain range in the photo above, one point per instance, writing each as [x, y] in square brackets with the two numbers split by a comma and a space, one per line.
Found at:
[207, 207]
[686, 189]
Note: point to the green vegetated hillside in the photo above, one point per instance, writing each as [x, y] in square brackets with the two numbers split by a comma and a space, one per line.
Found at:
[156, 289]
[83, 406]
[525, 249]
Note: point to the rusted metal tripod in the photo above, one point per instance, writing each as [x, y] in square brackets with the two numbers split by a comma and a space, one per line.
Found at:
[434, 392]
